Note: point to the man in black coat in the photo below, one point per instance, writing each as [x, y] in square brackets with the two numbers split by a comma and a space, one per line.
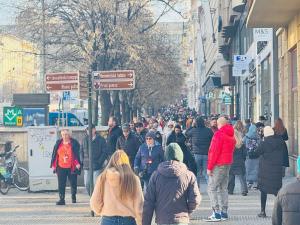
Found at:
[129, 143]
[100, 156]
[286, 207]
[200, 137]
[114, 132]
[140, 131]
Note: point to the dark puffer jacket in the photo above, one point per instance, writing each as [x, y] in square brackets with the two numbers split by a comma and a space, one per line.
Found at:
[239, 157]
[287, 205]
[130, 146]
[100, 152]
[201, 138]
[172, 193]
[270, 164]
[112, 137]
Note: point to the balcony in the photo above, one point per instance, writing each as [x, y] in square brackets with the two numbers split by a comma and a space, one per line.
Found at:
[226, 76]
[275, 13]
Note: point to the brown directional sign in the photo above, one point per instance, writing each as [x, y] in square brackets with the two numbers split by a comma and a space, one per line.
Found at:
[52, 77]
[118, 85]
[118, 74]
[114, 80]
[62, 87]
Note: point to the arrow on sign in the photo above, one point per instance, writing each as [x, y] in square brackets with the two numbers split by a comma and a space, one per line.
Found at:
[10, 114]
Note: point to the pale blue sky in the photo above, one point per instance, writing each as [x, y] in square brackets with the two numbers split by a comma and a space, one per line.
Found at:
[7, 12]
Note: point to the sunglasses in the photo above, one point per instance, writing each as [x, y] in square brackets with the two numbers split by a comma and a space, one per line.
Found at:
[149, 138]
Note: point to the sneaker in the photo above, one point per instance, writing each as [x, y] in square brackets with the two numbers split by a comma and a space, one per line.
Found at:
[215, 217]
[224, 216]
[244, 194]
[61, 202]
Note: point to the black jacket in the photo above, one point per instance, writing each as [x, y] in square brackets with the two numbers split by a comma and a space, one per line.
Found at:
[270, 164]
[112, 137]
[286, 209]
[130, 146]
[142, 135]
[201, 138]
[75, 148]
[188, 159]
[100, 152]
[285, 162]
[239, 158]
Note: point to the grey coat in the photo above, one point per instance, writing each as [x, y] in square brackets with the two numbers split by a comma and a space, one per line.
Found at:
[287, 205]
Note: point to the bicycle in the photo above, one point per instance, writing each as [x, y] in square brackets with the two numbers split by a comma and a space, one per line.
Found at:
[11, 175]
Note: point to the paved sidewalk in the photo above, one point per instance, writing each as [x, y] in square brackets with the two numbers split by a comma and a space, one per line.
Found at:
[22, 208]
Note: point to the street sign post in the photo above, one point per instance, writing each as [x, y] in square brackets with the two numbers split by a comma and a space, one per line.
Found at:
[13, 116]
[114, 80]
[62, 81]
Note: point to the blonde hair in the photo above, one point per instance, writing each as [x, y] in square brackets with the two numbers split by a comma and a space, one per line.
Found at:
[238, 138]
[128, 180]
[239, 126]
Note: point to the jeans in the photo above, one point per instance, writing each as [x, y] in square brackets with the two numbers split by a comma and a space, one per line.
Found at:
[201, 162]
[243, 182]
[86, 178]
[217, 188]
[117, 220]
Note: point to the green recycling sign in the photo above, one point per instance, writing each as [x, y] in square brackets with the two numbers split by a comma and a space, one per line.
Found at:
[13, 116]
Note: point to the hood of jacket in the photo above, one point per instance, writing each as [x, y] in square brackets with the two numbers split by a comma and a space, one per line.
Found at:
[252, 133]
[227, 129]
[172, 168]
[113, 177]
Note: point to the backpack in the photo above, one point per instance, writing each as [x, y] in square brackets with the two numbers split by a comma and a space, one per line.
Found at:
[251, 145]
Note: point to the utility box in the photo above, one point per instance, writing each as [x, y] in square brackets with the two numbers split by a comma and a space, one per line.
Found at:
[41, 141]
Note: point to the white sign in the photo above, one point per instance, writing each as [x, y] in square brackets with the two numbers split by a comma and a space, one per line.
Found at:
[236, 72]
[262, 34]
[241, 62]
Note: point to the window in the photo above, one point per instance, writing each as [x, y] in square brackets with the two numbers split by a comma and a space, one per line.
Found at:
[294, 102]
[266, 88]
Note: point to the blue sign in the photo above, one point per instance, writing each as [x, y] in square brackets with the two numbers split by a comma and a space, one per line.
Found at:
[66, 95]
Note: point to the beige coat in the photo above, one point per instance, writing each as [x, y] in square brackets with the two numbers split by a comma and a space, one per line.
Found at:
[111, 205]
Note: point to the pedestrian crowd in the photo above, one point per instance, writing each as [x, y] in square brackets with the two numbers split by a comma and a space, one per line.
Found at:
[155, 165]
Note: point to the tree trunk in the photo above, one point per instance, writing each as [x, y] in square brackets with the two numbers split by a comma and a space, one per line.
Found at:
[123, 108]
[105, 107]
[127, 111]
[116, 106]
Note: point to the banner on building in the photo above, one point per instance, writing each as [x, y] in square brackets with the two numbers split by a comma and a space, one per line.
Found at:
[262, 34]
[241, 62]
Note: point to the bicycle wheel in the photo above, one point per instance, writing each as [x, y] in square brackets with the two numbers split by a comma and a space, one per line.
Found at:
[21, 179]
[4, 187]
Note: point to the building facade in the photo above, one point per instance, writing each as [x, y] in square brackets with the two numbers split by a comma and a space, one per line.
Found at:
[286, 26]
[18, 67]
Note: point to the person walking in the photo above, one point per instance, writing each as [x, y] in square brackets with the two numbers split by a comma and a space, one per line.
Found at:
[251, 141]
[286, 209]
[114, 132]
[172, 192]
[188, 159]
[201, 137]
[140, 131]
[147, 159]
[238, 168]
[280, 130]
[65, 162]
[100, 156]
[214, 125]
[129, 143]
[220, 157]
[270, 150]
[117, 196]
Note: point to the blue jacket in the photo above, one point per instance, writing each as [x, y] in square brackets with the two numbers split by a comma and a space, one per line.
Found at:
[155, 153]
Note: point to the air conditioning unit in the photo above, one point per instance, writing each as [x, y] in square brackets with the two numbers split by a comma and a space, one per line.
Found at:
[238, 5]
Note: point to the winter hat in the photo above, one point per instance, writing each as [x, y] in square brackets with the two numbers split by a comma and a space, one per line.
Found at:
[298, 165]
[123, 158]
[174, 152]
[177, 127]
[151, 134]
[268, 131]
[125, 126]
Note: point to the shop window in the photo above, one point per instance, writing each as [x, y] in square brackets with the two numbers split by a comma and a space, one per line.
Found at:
[294, 103]
[266, 89]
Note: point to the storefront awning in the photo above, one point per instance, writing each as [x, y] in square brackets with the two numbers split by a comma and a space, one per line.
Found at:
[211, 83]
[275, 13]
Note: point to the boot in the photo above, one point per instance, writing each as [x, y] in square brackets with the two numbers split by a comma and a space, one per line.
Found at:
[73, 198]
[61, 200]
[262, 214]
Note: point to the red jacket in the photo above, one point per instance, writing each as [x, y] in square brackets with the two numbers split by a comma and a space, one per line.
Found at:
[221, 148]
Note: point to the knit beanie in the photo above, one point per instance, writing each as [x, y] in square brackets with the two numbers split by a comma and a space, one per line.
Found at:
[298, 165]
[268, 131]
[123, 158]
[151, 134]
[174, 152]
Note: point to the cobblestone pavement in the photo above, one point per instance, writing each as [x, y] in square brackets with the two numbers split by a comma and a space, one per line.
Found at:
[22, 208]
